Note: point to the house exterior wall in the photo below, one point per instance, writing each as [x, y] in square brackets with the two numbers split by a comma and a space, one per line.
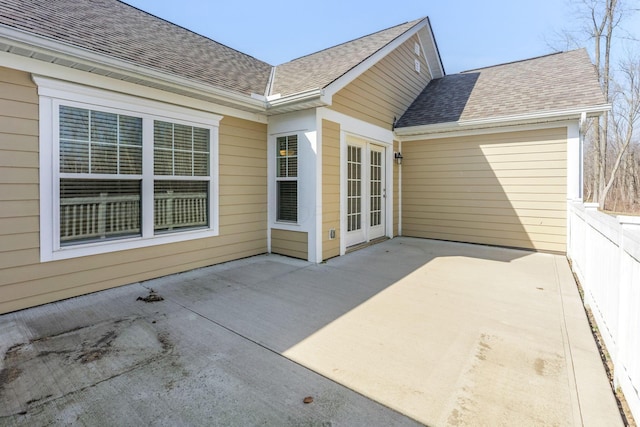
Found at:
[290, 243]
[506, 189]
[304, 125]
[25, 281]
[330, 188]
[385, 90]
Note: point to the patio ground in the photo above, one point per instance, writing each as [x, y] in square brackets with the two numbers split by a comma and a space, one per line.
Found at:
[405, 332]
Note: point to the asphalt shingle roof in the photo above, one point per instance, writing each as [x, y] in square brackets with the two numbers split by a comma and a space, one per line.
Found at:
[116, 29]
[119, 30]
[318, 70]
[549, 83]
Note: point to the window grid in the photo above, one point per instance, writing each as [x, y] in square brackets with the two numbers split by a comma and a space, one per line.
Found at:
[354, 188]
[287, 178]
[100, 177]
[376, 188]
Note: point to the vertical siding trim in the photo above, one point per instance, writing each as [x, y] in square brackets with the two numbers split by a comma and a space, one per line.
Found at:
[399, 186]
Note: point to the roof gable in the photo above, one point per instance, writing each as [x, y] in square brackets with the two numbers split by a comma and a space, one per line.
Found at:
[553, 83]
[320, 69]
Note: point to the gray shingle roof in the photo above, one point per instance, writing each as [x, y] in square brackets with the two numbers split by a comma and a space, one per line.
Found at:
[118, 30]
[318, 70]
[549, 83]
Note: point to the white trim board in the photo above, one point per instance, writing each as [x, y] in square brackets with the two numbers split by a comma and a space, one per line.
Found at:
[52, 94]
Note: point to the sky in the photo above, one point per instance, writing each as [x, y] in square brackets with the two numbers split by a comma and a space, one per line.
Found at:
[470, 33]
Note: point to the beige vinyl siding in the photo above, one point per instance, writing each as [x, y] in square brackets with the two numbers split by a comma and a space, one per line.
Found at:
[396, 190]
[25, 281]
[330, 188]
[506, 189]
[290, 243]
[385, 90]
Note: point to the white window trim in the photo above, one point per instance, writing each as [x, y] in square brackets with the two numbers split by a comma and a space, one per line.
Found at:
[52, 94]
[277, 221]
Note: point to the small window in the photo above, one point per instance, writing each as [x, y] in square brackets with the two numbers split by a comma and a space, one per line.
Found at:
[287, 178]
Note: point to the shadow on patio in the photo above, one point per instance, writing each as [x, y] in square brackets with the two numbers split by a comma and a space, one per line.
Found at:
[443, 333]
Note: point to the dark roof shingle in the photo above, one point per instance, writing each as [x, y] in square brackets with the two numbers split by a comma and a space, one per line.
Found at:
[549, 83]
[118, 30]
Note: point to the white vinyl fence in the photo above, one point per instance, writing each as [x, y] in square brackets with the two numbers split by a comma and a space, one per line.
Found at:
[605, 254]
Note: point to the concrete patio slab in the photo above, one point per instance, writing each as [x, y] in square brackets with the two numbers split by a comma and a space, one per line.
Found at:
[406, 332]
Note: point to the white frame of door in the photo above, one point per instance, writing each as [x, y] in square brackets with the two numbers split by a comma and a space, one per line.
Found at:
[364, 234]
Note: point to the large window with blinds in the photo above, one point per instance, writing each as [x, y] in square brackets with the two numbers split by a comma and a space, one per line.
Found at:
[125, 177]
[287, 178]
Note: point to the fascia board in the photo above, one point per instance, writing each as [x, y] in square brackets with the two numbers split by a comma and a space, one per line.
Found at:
[519, 119]
[64, 51]
[435, 46]
[359, 69]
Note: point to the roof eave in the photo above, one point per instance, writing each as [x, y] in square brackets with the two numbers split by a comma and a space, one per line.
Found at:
[298, 101]
[61, 53]
[513, 120]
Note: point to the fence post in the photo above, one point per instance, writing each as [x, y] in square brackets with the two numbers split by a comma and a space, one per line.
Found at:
[627, 223]
[102, 215]
[170, 201]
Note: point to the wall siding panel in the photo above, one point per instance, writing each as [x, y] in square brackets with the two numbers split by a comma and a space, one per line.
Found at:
[385, 90]
[25, 281]
[505, 189]
[290, 243]
[330, 188]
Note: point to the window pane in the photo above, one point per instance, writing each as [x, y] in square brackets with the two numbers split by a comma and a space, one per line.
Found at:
[181, 150]
[183, 163]
[130, 130]
[163, 162]
[201, 164]
[180, 204]
[163, 135]
[201, 139]
[104, 127]
[104, 158]
[288, 201]
[74, 140]
[182, 137]
[292, 166]
[74, 156]
[287, 156]
[131, 160]
[93, 142]
[74, 123]
[94, 210]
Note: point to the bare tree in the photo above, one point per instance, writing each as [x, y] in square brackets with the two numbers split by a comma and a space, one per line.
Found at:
[625, 116]
[611, 136]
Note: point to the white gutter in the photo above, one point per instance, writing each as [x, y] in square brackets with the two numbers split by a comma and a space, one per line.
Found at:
[301, 100]
[515, 119]
[65, 51]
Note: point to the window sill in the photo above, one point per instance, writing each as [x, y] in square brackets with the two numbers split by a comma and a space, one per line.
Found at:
[97, 248]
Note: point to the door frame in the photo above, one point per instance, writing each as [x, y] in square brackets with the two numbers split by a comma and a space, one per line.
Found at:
[365, 233]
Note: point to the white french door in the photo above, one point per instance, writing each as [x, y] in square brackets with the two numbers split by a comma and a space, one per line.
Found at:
[366, 192]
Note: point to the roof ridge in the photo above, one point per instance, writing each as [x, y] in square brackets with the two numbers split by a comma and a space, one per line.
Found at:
[415, 21]
[190, 31]
[520, 60]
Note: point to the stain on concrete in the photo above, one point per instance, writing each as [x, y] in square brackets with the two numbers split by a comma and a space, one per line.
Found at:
[74, 360]
[496, 386]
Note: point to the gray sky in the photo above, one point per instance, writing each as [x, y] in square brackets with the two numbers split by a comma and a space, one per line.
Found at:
[469, 33]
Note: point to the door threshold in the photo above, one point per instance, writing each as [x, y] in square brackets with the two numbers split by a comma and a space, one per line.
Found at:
[363, 245]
